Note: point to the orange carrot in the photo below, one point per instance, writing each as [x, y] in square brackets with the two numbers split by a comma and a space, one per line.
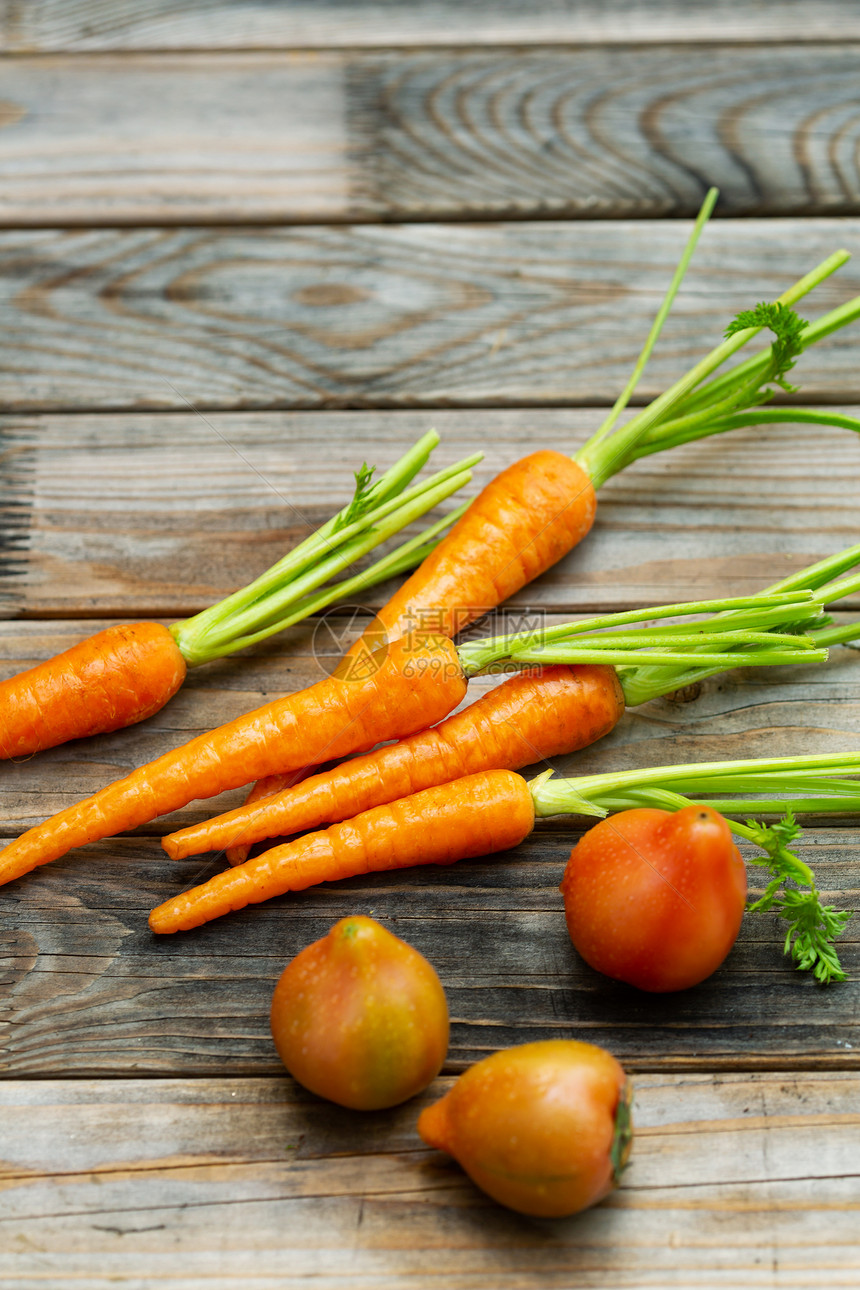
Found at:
[531, 716]
[344, 713]
[520, 525]
[112, 679]
[492, 811]
[496, 810]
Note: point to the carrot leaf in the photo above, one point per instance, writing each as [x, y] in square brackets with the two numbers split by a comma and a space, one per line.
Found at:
[787, 327]
[813, 927]
[701, 404]
[363, 498]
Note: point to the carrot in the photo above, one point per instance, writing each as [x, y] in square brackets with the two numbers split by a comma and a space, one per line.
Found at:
[110, 680]
[538, 509]
[520, 525]
[126, 673]
[492, 811]
[496, 810]
[556, 709]
[532, 715]
[342, 714]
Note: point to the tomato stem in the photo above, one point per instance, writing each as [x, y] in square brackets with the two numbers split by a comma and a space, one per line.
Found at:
[622, 1137]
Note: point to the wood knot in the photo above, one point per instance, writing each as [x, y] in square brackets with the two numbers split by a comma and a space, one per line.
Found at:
[687, 693]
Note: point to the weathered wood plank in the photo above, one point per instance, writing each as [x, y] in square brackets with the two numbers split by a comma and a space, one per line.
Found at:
[228, 1181]
[277, 137]
[231, 24]
[90, 991]
[126, 515]
[547, 313]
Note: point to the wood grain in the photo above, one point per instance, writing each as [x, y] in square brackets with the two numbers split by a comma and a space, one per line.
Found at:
[558, 132]
[413, 315]
[231, 24]
[605, 132]
[227, 1182]
[160, 515]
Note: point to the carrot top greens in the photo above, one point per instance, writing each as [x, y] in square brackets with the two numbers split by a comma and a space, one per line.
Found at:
[813, 927]
[785, 623]
[695, 407]
[295, 586]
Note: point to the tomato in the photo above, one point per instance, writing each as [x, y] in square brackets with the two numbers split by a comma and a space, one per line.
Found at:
[543, 1128]
[655, 898]
[360, 1017]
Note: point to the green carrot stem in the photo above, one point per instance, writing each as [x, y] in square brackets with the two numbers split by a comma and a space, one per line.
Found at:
[263, 608]
[220, 623]
[204, 639]
[728, 806]
[819, 574]
[788, 414]
[828, 636]
[758, 363]
[838, 590]
[661, 316]
[664, 635]
[846, 804]
[602, 457]
[705, 428]
[476, 656]
[561, 796]
[405, 557]
[656, 659]
[718, 661]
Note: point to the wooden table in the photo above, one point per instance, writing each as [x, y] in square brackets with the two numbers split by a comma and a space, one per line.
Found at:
[243, 248]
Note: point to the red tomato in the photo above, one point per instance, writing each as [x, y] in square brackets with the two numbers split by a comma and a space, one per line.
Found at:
[543, 1128]
[360, 1017]
[655, 898]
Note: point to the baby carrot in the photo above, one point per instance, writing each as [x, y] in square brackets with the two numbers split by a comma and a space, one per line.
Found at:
[342, 714]
[126, 673]
[538, 509]
[112, 679]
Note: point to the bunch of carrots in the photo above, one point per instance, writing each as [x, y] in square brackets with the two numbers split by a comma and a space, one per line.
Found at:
[522, 523]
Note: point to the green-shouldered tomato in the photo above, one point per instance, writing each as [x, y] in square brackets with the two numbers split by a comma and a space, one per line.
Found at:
[655, 898]
[360, 1017]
